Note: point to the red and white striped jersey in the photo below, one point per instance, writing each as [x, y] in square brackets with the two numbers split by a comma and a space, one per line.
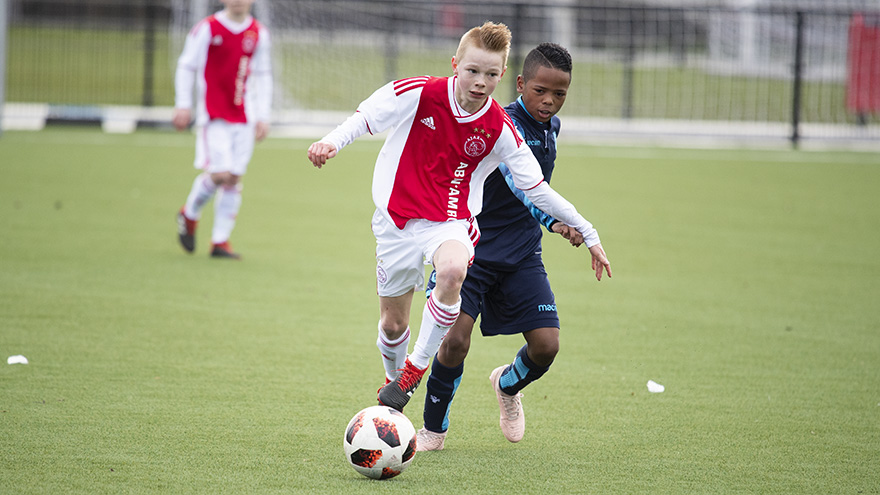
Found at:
[220, 56]
[436, 156]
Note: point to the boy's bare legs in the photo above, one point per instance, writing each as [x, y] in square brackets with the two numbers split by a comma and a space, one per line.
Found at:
[394, 314]
[450, 262]
[441, 310]
[393, 340]
[205, 187]
[542, 345]
[457, 343]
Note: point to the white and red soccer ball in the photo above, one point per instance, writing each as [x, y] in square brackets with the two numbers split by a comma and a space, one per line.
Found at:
[380, 442]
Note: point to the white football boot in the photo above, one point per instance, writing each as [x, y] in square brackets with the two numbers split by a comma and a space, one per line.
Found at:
[429, 440]
[513, 422]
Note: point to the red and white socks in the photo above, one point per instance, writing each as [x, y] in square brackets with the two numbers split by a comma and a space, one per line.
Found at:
[227, 204]
[393, 352]
[226, 207]
[437, 318]
[202, 191]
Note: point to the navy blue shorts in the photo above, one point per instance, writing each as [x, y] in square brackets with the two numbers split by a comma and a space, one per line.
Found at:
[511, 301]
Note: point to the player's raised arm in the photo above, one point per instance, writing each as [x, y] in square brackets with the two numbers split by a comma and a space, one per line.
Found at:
[551, 201]
[526, 174]
[551, 224]
[372, 116]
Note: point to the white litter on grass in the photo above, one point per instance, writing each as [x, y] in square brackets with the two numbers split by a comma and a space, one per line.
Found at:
[654, 387]
[18, 359]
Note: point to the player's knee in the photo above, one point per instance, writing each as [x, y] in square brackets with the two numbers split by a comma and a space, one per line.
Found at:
[543, 353]
[454, 350]
[450, 276]
[225, 179]
[457, 346]
[393, 329]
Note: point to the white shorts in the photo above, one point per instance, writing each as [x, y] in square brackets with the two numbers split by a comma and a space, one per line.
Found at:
[224, 147]
[401, 255]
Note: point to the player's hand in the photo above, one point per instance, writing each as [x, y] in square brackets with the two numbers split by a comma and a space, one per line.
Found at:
[320, 152]
[600, 261]
[570, 233]
[181, 118]
[261, 131]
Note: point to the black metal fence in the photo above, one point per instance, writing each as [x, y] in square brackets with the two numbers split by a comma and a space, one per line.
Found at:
[754, 68]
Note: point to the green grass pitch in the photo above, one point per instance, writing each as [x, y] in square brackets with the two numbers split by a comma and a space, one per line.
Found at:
[746, 282]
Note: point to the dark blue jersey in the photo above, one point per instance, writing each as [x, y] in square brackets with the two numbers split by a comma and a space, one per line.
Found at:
[510, 232]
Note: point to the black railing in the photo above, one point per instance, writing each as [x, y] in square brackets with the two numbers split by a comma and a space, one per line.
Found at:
[115, 52]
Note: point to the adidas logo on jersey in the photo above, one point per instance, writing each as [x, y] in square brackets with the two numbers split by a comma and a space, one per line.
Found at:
[429, 121]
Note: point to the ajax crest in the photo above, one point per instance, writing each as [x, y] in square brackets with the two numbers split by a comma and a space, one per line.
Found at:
[474, 146]
[249, 42]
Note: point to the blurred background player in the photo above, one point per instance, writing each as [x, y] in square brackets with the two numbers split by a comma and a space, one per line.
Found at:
[226, 57]
[446, 135]
[507, 283]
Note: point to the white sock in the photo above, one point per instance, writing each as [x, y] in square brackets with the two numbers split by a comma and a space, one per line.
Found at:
[393, 352]
[226, 207]
[436, 320]
[202, 191]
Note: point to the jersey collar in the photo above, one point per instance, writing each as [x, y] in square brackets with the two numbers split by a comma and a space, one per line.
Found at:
[461, 115]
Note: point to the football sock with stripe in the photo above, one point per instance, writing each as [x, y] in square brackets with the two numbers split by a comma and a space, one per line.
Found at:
[202, 191]
[226, 207]
[393, 352]
[522, 372]
[441, 387]
[436, 320]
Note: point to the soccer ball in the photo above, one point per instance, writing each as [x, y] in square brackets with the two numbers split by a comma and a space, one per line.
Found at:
[380, 442]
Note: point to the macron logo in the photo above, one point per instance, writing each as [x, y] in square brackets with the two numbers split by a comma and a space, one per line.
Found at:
[429, 121]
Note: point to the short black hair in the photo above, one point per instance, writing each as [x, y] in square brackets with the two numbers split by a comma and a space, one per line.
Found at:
[550, 55]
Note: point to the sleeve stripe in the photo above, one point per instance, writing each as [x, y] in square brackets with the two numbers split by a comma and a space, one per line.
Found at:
[536, 185]
[403, 85]
[512, 128]
[365, 121]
